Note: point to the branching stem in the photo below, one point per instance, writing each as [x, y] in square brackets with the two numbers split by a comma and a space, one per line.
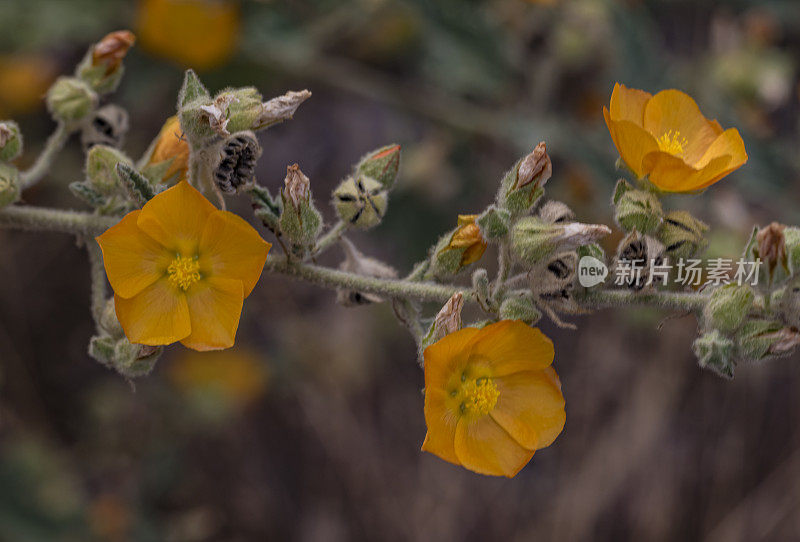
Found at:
[41, 166]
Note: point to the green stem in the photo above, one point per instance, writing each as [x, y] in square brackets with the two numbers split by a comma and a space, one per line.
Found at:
[601, 299]
[25, 217]
[331, 236]
[98, 276]
[503, 270]
[41, 166]
[333, 278]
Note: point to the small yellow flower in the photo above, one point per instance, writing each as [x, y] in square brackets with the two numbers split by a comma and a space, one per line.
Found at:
[491, 397]
[666, 138]
[468, 236]
[180, 270]
[200, 34]
[237, 377]
[171, 145]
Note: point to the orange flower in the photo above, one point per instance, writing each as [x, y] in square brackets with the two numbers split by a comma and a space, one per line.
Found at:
[180, 270]
[468, 237]
[491, 397]
[171, 145]
[667, 139]
[200, 34]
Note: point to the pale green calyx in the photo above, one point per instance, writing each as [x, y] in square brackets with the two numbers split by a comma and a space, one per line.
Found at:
[70, 99]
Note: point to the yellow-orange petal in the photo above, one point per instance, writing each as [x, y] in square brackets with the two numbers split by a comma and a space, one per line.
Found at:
[484, 447]
[673, 111]
[511, 346]
[215, 305]
[171, 145]
[671, 174]
[133, 260]
[441, 424]
[632, 141]
[530, 408]
[628, 104]
[158, 315]
[231, 248]
[176, 218]
[447, 356]
[727, 143]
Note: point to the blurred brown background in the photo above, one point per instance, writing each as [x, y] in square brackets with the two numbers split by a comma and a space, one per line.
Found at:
[310, 428]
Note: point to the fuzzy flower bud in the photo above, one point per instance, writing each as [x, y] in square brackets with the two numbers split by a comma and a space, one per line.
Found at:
[494, 223]
[9, 184]
[300, 220]
[533, 239]
[70, 99]
[10, 141]
[728, 306]
[360, 201]
[456, 250]
[762, 339]
[381, 164]
[636, 209]
[359, 264]
[682, 235]
[101, 168]
[238, 155]
[715, 353]
[102, 68]
[524, 184]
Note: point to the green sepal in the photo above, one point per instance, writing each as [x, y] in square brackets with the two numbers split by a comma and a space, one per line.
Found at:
[137, 185]
[494, 223]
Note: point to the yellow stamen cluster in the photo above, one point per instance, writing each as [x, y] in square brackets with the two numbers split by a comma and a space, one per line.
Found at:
[672, 142]
[183, 272]
[480, 396]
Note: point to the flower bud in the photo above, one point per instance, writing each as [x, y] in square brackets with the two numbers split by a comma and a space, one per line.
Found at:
[10, 141]
[463, 246]
[169, 155]
[727, 307]
[237, 162]
[381, 164]
[360, 201]
[556, 212]
[520, 307]
[682, 235]
[494, 223]
[637, 252]
[762, 339]
[101, 168]
[70, 99]
[244, 108]
[359, 264]
[636, 209]
[791, 237]
[300, 220]
[715, 353]
[524, 184]
[106, 126]
[533, 239]
[102, 68]
[9, 184]
[135, 360]
[772, 247]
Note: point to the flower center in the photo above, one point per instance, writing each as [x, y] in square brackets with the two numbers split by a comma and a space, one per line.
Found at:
[672, 142]
[479, 396]
[183, 272]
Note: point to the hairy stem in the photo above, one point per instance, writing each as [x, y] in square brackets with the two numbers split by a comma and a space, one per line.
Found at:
[602, 298]
[41, 166]
[98, 276]
[503, 270]
[24, 217]
[331, 236]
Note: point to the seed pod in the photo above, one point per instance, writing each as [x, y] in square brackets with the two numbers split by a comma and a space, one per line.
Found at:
[637, 252]
[682, 235]
[556, 212]
[715, 352]
[360, 201]
[524, 184]
[106, 126]
[10, 141]
[554, 278]
[237, 162]
[70, 99]
[300, 221]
